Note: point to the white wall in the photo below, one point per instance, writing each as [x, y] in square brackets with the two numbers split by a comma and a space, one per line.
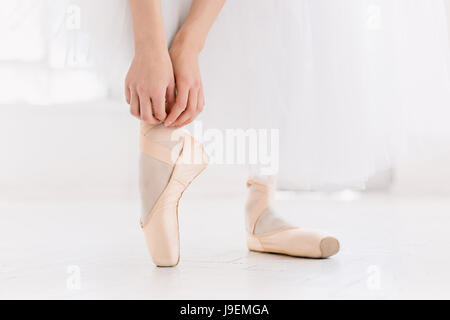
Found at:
[90, 149]
[81, 150]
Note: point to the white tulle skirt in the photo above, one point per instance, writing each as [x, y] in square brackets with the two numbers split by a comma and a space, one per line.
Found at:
[336, 77]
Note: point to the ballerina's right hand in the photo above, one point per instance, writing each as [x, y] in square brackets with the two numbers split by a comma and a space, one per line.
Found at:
[150, 85]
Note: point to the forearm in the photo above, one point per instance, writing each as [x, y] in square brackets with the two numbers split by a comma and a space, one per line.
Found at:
[201, 17]
[148, 25]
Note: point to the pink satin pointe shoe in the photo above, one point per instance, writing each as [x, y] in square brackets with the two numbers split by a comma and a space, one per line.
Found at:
[288, 240]
[161, 225]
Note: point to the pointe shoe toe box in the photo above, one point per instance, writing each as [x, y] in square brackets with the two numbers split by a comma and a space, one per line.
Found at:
[329, 246]
[295, 242]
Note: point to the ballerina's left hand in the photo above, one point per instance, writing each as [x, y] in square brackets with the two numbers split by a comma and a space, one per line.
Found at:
[190, 99]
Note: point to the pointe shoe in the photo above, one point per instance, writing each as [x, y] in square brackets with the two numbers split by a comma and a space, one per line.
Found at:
[292, 241]
[161, 225]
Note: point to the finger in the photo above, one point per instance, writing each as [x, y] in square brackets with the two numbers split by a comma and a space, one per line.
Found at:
[200, 106]
[190, 110]
[189, 121]
[146, 109]
[159, 106]
[134, 104]
[179, 106]
[170, 96]
[201, 100]
[127, 94]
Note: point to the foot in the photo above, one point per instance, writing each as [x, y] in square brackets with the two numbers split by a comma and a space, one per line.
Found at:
[171, 159]
[268, 233]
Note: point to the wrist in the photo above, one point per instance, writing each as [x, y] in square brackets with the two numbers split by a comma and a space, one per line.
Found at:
[146, 45]
[188, 39]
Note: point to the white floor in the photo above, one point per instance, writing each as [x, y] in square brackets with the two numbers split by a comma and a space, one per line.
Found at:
[392, 247]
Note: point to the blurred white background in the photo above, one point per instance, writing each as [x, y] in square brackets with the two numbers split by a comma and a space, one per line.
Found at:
[69, 154]
[64, 132]
[61, 133]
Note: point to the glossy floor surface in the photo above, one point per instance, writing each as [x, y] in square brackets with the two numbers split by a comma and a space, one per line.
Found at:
[392, 247]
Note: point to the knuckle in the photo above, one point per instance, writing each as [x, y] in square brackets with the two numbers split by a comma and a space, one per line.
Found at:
[161, 112]
[160, 116]
[141, 89]
[190, 83]
[132, 85]
[185, 80]
[157, 90]
[134, 112]
[157, 112]
[179, 107]
[196, 84]
[191, 108]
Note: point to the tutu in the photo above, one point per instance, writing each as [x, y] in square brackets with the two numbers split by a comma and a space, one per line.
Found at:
[341, 79]
[336, 77]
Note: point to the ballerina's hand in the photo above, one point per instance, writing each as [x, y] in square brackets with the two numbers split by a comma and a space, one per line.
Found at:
[190, 100]
[150, 85]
